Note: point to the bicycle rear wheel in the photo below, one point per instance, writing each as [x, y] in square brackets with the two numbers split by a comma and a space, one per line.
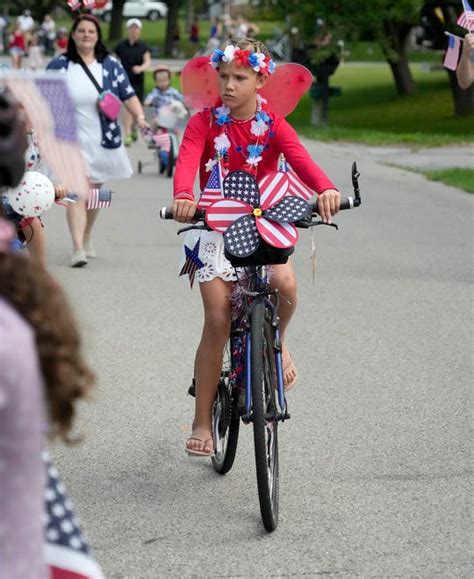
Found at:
[265, 427]
[225, 419]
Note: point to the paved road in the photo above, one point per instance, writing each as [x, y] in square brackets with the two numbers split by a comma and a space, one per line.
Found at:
[375, 459]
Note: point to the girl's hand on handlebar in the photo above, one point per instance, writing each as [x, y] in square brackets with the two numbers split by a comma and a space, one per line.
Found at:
[328, 204]
[184, 210]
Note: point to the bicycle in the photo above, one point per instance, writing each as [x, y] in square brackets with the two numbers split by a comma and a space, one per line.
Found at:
[251, 386]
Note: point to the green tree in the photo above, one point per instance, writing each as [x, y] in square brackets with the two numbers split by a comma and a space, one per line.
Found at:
[388, 22]
[38, 7]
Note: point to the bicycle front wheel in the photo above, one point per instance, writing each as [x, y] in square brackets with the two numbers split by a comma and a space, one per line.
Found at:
[225, 419]
[265, 425]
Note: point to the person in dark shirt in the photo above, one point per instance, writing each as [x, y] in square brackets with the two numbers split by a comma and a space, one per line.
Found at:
[136, 58]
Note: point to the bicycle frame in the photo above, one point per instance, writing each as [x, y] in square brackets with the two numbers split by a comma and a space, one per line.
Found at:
[260, 292]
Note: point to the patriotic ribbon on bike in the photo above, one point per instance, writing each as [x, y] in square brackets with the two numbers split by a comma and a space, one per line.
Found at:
[252, 211]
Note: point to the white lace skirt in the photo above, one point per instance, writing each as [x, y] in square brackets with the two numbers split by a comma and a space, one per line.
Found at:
[211, 253]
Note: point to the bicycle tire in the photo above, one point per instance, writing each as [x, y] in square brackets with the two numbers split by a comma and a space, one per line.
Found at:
[225, 421]
[263, 403]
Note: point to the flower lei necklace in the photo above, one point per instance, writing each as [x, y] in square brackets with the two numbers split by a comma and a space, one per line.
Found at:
[260, 128]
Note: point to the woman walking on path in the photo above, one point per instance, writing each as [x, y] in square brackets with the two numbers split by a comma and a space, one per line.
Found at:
[99, 136]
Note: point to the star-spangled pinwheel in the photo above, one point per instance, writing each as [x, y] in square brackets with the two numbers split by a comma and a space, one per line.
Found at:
[252, 211]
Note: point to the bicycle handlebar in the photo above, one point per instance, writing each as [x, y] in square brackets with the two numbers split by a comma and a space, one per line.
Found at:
[346, 203]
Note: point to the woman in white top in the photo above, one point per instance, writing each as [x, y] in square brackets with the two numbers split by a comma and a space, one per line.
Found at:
[99, 137]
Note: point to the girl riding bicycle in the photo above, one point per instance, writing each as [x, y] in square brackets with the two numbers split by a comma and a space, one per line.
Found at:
[240, 131]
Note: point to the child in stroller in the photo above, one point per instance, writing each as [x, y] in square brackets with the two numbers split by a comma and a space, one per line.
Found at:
[169, 110]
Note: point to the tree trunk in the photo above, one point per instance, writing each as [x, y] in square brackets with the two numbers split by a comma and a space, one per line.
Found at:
[320, 106]
[173, 10]
[463, 100]
[395, 48]
[402, 76]
[115, 30]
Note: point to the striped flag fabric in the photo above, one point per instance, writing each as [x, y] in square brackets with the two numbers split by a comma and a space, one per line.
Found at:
[273, 187]
[297, 187]
[452, 53]
[163, 141]
[88, 4]
[99, 198]
[213, 189]
[46, 100]
[221, 214]
[466, 20]
[281, 235]
[67, 552]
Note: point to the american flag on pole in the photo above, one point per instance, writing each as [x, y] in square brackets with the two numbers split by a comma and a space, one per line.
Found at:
[466, 20]
[99, 198]
[297, 187]
[47, 103]
[163, 141]
[213, 189]
[67, 553]
[452, 53]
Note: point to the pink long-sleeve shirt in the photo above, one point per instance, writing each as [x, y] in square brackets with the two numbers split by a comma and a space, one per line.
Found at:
[197, 148]
[22, 475]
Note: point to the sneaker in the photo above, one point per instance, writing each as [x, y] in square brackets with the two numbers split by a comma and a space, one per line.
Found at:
[134, 134]
[89, 249]
[78, 258]
[128, 140]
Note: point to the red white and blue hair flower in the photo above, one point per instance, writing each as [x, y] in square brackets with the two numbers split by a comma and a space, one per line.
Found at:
[257, 61]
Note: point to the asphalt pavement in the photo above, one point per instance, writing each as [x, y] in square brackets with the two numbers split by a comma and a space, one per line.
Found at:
[375, 460]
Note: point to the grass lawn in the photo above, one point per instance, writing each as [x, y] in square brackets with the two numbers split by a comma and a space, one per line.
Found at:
[370, 111]
[461, 178]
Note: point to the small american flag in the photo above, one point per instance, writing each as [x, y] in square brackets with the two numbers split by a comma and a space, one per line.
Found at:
[466, 20]
[213, 189]
[67, 553]
[192, 263]
[99, 198]
[297, 187]
[47, 103]
[452, 53]
[163, 141]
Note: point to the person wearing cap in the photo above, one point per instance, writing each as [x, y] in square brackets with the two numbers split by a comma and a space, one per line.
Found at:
[136, 58]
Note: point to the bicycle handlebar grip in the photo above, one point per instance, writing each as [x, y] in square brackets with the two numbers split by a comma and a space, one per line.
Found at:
[167, 213]
[346, 203]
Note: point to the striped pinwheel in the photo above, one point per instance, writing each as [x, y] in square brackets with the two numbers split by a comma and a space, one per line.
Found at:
[250, 212]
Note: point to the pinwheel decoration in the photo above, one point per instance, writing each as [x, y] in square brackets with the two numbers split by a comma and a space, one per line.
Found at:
[251, 211]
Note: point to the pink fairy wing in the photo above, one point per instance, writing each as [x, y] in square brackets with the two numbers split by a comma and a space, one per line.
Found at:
[199, 83]
[273, 187]
[281, 235]
[285, 87]
[221, 214]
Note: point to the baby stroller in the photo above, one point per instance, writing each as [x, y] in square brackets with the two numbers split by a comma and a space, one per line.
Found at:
[164, 137]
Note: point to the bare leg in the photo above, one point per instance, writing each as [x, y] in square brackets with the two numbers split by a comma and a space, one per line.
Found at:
[208, 363]
[81, 220]
[76, 219]
[285, 280]
[35, 238]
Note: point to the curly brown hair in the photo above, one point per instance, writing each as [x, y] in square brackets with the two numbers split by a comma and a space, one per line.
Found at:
[37, 297]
